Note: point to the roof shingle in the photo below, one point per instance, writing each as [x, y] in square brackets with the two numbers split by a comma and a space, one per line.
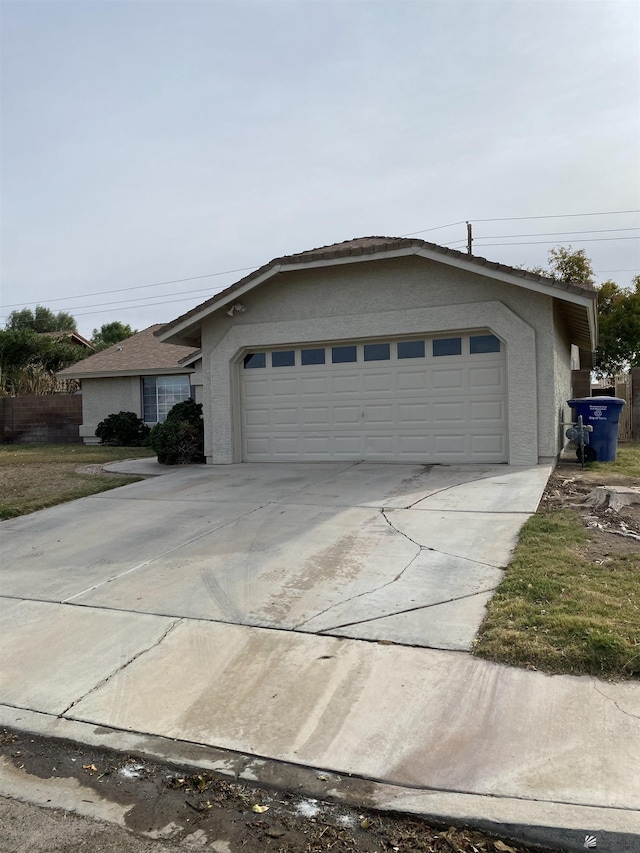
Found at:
[141, 352]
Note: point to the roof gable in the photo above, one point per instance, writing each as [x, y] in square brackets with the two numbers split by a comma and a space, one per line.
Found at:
[581, 297]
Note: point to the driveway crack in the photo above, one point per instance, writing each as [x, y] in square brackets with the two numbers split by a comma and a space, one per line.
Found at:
[611, 699]
[436, 550]
[448, 489]
[121, 668]
[407, 610]
[420, 548]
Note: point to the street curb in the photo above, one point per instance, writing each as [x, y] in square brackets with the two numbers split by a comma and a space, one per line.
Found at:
[553, 826]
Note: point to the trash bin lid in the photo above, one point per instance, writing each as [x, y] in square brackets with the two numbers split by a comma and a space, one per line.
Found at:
[599, 401]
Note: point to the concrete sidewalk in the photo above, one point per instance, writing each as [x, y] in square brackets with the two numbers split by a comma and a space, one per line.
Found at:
[430, 731]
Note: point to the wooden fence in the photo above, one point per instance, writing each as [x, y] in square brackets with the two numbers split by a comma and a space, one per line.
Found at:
[623, 386]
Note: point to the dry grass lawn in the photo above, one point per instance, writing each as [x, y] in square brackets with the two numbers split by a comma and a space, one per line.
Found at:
[38, 476]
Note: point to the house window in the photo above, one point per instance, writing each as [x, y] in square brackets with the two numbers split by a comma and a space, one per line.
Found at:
[410, 349]
[447, 346]
[160, 394]
[484, 343]
[377, 352]
[283, 358]
[340, 355]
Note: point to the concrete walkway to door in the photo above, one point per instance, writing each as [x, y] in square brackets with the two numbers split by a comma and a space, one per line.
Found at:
[316, 615]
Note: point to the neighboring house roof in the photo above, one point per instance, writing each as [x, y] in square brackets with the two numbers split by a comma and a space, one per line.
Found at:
[579, 300]
[142, 353]
[71, 337]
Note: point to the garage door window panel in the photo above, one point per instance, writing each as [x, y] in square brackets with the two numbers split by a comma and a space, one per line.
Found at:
[447, 346]
[284, 358]
[344, 355]
[377, 352]
[254, 360]
[312, 356]
[483, 343]
[411, 349]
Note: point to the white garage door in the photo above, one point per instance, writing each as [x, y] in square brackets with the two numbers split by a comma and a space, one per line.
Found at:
[420, 400]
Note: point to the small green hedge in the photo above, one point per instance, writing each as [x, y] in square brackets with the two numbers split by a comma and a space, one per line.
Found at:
[124, 429]
[180, 439]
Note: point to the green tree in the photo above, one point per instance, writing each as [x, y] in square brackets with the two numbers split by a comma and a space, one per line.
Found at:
[618, 310]
[619, 328]
[41, 320]
[29, 361]
[111, 333]
[571, 265]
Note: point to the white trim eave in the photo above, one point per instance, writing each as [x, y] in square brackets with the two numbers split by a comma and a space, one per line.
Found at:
[116, 374]
[593, 324]
[194, 319]
[352, 259]
[197, 356]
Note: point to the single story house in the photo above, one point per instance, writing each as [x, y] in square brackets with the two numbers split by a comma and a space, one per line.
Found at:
[389, 350]
[140, 375]
[70, 337]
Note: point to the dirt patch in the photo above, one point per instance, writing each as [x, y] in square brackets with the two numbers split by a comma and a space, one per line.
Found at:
[183, 806]
[611, 534]
[91, 469]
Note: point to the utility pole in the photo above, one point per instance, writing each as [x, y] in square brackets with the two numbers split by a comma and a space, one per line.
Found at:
[469, 238]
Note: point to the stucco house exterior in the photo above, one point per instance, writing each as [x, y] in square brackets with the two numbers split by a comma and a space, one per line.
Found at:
[140, 375]
[388, 349]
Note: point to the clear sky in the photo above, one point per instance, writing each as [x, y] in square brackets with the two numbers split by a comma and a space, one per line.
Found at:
[151, 141]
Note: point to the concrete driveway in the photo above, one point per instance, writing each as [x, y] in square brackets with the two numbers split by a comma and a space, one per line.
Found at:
[318, 616]
[404, 553]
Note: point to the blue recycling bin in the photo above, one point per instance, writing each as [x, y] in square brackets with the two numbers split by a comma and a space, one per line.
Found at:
[603, 414]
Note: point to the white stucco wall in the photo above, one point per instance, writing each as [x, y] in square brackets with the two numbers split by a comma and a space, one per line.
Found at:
[196, 381]
[105, 396]
[386, 298]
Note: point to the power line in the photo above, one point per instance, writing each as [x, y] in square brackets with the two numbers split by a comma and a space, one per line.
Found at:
[521, 218]
[548, 242]
[140, 299]
[135, 287]
[557, 233]
[133, 307]
[412, 233]
[123, 305]
[437, 228]
[556, 216]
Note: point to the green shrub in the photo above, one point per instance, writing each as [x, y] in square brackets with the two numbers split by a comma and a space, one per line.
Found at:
[180, 439]
[123, 430]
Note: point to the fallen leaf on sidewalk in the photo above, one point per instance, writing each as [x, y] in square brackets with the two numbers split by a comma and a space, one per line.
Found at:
[259, 809]
[503, 848]
[90, 767]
